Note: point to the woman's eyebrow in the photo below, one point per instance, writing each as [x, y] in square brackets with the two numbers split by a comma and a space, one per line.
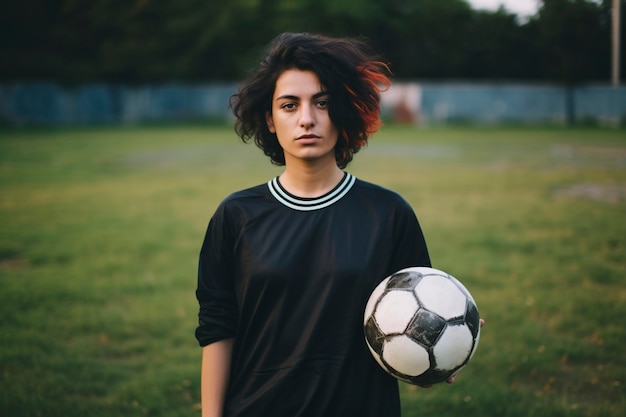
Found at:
[287, 97]
[293, 97]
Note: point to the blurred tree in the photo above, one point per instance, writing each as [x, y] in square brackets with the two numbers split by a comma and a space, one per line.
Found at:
[498, 47]
[174, 40]
[572, 40]
[434, 42]
[149, 41]
[26, 38]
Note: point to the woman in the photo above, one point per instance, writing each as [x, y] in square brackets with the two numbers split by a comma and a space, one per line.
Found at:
[286, 267]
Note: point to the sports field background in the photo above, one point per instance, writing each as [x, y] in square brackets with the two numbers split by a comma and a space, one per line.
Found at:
[100, 230]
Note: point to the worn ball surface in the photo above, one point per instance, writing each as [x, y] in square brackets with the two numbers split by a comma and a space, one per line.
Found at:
[421, 325]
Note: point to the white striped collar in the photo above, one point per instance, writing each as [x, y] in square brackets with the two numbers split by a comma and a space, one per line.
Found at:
[310, 204]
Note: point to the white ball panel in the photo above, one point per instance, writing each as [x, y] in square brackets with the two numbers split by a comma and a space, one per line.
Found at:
[424, 270]
[441, 296]
[406, 356]
[371, 302]
[453, 347]
[395, 310]
[469, 295]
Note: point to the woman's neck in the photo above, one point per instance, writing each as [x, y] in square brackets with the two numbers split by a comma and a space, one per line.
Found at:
[310, 181]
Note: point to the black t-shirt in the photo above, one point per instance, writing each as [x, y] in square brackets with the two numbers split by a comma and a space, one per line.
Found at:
[288, 278]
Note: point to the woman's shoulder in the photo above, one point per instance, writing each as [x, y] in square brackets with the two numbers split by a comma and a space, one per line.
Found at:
[247, 197]
[240, 206]
[379, 192]
[253, 192]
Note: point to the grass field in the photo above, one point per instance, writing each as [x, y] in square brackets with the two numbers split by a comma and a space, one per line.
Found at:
[100, 230]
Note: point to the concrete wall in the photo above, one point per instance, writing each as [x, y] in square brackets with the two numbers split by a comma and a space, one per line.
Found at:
[495, 103]
[24, 104]
[52, 104]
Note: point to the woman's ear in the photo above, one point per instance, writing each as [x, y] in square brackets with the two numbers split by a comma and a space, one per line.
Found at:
[270, 122]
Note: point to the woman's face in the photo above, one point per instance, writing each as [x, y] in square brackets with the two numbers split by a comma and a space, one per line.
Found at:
[300, 118]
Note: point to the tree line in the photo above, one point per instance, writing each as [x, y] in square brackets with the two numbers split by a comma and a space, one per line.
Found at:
[150, 41]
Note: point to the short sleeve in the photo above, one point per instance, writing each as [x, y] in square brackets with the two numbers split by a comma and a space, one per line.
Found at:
[410, 244]
[217, 317]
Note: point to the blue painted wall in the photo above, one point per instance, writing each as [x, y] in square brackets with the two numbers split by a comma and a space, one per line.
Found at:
[51, 104]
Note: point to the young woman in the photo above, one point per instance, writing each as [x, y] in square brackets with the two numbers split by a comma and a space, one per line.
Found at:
[286, 267]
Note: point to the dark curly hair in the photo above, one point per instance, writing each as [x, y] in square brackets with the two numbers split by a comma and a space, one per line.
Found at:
[346, 68]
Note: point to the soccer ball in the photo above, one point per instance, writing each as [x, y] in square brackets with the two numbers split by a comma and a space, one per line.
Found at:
[421, 325]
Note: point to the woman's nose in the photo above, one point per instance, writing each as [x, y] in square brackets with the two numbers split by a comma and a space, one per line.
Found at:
[307, 116]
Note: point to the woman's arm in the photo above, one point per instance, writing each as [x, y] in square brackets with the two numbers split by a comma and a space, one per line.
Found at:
[215, 372]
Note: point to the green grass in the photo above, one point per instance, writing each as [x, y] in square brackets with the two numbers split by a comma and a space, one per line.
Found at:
[100, 230]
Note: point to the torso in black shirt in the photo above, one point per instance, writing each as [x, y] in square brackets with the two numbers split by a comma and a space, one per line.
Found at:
[289, 278]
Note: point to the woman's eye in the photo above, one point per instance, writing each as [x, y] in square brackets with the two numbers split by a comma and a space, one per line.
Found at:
[289, 106]
[322, 103]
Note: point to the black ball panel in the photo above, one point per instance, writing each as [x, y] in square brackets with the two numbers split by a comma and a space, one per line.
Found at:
[432, 376]
[426, 327]
[374, 336]
[404, 281]
[472, 318]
